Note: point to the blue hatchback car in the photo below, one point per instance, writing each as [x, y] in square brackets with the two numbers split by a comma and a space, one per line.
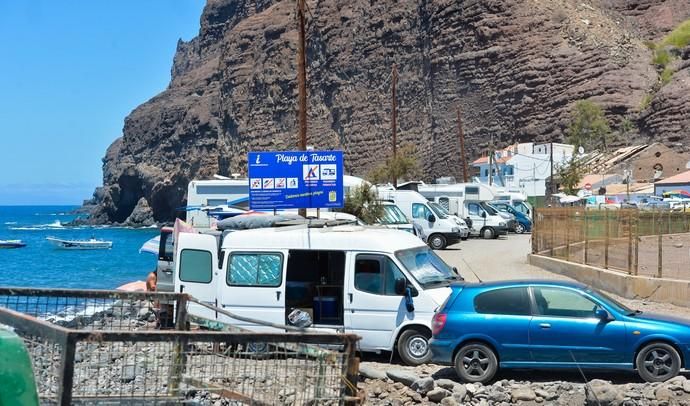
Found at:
[546, 324]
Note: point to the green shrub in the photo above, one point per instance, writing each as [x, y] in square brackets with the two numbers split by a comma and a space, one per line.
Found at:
[679, 37]
[666, 75]
[646, 101]
[661, 57]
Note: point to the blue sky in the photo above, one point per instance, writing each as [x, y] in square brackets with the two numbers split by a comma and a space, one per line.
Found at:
[70, 71]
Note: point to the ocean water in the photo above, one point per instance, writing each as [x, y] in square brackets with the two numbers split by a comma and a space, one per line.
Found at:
[40, 264]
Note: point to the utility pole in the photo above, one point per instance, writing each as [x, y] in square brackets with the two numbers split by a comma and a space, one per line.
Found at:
[394, 119]
[461, 134]
[491, 161]
[302, 83]
[551, 184]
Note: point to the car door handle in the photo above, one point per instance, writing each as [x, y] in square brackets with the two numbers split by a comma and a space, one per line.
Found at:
[350, 295]
[545, 325]
[278, 295]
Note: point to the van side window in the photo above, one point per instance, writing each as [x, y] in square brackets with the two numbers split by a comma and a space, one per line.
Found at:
[474, 209]
[195, 266]
[255, 269]
[420, 211]
[376, 274]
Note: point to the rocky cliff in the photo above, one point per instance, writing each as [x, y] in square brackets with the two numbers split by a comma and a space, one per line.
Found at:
[513, 67]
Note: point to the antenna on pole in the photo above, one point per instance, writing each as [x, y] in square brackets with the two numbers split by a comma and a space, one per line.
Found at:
[302, 83]
[463, 157]
[394, 119]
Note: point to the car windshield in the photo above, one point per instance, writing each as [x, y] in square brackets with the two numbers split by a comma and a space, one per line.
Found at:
[393, 215]
[617, 306]
[438, 210]
[489, 209]
[426, 267]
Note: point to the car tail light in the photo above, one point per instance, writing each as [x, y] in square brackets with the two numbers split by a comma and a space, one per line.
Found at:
[438, 322]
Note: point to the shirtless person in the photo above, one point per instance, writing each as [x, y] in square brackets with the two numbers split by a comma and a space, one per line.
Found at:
[151, 282]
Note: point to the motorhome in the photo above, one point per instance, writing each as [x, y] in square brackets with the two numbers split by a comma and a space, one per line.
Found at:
[468, 201]
[383, 285]
[431, 224]
[517, 200]
[227, 195]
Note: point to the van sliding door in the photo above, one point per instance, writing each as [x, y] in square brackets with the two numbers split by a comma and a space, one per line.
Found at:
[254, 287]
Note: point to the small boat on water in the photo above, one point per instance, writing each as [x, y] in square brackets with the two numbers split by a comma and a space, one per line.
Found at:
[90, 244]
[12, 244]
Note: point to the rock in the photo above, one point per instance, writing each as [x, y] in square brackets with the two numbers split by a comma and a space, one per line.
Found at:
[78, 357]
[143, 313]
[446, 384]
[523, 394]
[600, 393]
[545, 394]
[437, 395]
[663, 393]
[371, 372]
[471, 388]
[459, 392]
[142, 214]
[423, 385]
[450, 401]
[686, 386]
[130, 372]
[401, 376]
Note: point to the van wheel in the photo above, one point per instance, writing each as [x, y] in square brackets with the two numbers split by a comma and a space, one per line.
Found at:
[413, 347]
[519, 228]
[437, 242]
[487, 233]
[475, 362]
[657, 362]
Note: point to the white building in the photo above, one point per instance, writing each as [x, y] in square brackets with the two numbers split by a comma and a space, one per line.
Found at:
[523, 167]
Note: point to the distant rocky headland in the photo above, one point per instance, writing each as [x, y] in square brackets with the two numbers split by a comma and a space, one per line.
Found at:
[514, 68]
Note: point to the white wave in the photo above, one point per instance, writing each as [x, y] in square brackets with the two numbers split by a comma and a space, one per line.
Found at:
[56, 225]
[10, 223]
[68, 313]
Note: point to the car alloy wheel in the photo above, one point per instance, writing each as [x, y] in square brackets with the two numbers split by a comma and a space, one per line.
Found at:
[476, 363]
[658, 362]
[519, 228]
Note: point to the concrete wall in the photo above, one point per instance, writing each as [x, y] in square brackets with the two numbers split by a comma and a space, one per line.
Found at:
[631, 287]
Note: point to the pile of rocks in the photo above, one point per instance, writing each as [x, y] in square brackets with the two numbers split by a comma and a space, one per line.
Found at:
[398, 386]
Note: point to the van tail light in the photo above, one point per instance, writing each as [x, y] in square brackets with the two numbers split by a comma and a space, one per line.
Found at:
[438, 322]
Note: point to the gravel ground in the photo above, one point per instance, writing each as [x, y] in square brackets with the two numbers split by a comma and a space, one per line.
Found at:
[390, 383]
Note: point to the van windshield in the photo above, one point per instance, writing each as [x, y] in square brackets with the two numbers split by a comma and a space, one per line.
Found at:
[393, 215]
[439, 211]
[490, 210]
[426, 267]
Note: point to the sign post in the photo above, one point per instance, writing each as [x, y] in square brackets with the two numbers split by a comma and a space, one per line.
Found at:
[295, 180]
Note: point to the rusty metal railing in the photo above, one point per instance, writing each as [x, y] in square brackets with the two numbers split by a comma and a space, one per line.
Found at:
[85, 352]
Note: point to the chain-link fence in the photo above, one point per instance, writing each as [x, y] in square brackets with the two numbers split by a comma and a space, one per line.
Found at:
[103, 347]
[651, 243]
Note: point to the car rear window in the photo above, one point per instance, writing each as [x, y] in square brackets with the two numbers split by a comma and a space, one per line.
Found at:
[512, 301]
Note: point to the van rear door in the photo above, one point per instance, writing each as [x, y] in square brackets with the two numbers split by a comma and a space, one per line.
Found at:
[196, 270]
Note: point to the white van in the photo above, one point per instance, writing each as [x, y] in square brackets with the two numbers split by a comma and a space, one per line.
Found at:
[431, 225]
[383, 285]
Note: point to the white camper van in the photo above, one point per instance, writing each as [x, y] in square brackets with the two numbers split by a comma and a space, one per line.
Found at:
[383, 285]
[468, 201]
[431, 225]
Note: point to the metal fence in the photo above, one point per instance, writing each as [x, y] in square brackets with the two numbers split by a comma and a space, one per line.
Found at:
[651, 243]
[103, 347]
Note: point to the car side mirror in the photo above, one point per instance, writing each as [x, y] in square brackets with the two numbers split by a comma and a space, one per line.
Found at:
[400, 286]
[431, 218]
[409, 303]
[484, 214]
[602, 314]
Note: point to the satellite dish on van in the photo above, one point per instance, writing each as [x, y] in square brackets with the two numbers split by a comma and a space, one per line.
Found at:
[657, 174]
[581, 150]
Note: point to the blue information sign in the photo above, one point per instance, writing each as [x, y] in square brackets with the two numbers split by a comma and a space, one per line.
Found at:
[295, 179]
